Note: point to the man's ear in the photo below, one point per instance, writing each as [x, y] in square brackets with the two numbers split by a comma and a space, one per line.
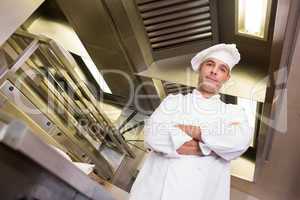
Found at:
[228, 76]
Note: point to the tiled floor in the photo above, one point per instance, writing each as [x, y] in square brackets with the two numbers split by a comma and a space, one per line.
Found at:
[238, 195]
[243, 168]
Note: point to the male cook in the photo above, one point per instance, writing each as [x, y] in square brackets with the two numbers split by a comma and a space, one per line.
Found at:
[194, 137]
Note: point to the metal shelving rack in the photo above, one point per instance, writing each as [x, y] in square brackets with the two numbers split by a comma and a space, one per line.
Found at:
[38, 73]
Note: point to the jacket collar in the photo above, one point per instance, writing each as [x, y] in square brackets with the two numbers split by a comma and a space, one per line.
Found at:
[199, 94]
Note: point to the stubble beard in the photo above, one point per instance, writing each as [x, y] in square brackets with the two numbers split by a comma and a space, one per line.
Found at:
[207, 87]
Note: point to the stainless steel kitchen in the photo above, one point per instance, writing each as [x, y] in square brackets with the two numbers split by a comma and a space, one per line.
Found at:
[149, 99]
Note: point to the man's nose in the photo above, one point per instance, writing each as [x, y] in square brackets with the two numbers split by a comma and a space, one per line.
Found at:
[213, 71]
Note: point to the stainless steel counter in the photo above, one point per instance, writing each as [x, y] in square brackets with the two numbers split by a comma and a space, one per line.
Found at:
[32, 169]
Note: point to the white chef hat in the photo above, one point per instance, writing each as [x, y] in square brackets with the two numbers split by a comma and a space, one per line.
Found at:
[228, 53]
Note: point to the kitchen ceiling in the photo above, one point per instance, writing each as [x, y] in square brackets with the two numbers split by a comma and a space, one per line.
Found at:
[119, 35]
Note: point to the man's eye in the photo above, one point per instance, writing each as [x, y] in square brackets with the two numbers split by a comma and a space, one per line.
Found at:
[223, 70]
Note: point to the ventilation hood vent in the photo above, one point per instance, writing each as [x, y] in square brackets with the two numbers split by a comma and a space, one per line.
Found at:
[175, 88]
[178, 23]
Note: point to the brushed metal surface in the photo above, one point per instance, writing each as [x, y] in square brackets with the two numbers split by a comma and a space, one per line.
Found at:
[178, 22]
[194, 31]
[176, 15]
[174, 8]
[181, 40]
[13, 14]
[183, 27]
[19, 138]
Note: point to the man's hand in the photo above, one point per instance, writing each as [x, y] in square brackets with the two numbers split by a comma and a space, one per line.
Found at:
[190, 148]
[193, 131]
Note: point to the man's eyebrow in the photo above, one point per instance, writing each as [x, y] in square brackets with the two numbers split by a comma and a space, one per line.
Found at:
[207, 61]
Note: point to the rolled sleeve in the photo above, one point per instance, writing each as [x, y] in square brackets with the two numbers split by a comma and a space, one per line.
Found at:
[204, 149]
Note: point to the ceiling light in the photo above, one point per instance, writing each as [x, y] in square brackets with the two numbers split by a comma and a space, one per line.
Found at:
[252, 18]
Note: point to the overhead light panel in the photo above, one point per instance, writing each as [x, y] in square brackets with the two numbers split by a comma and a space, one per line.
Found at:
[252, 18]
[96, 74]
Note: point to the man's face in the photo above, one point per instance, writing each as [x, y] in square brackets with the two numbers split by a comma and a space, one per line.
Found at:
[213, 73]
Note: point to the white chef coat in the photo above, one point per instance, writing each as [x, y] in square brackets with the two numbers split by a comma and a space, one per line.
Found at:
[167, 175]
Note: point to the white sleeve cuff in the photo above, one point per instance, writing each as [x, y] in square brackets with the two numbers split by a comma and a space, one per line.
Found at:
[204, 149]
[179, 138]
